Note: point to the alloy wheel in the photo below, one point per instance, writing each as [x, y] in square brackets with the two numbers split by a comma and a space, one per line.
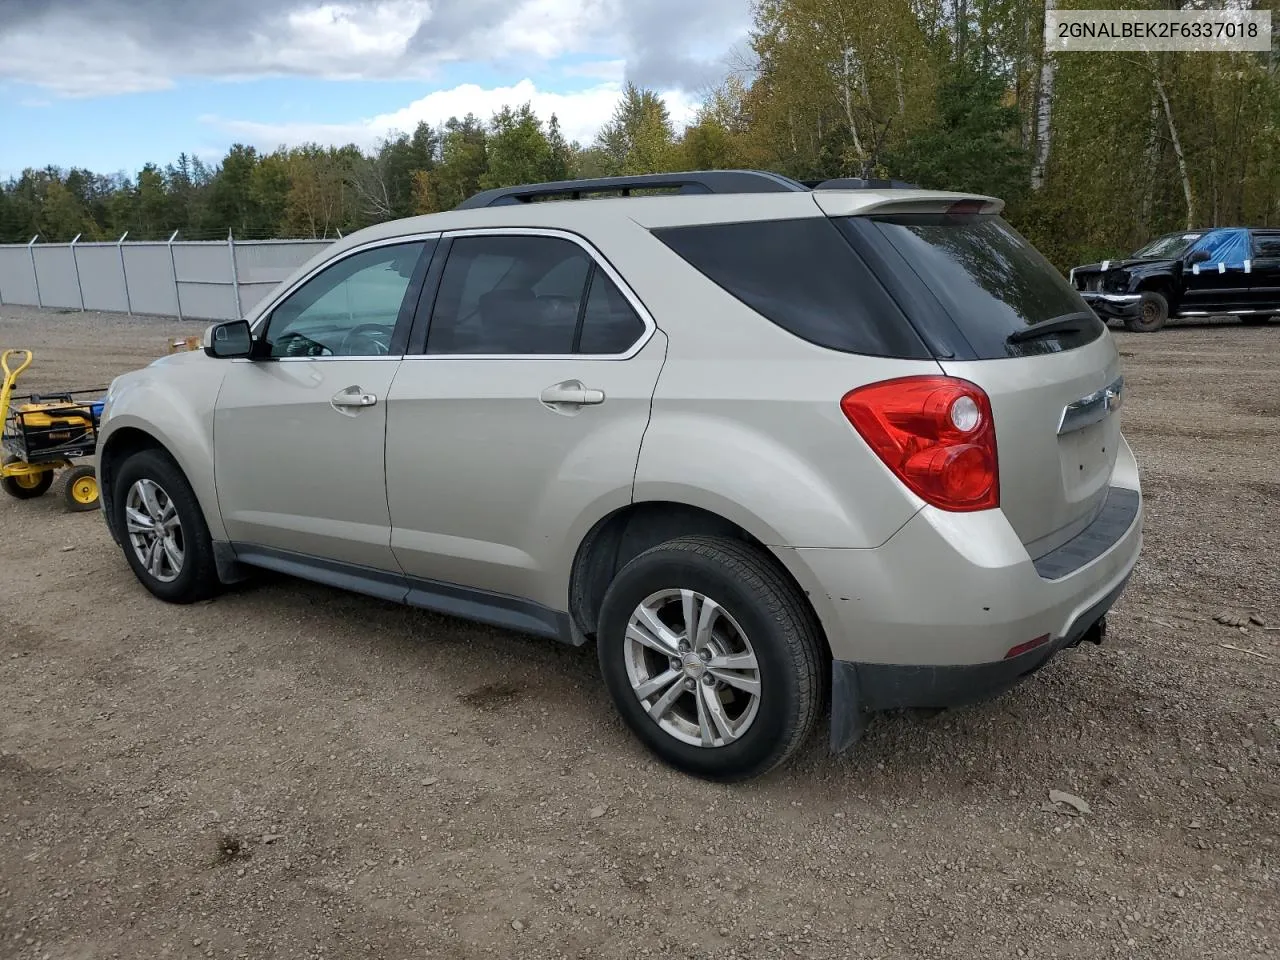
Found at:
[692, 667]
[154, 529]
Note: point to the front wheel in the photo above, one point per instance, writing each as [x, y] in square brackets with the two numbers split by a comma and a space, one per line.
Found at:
[712, 656]
[1153, 313]
[166, 539]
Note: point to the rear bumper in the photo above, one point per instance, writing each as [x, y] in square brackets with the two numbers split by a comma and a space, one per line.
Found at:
[858, 689]
[887, 686]
[928, 619]
[1113, 306]
[960, 589]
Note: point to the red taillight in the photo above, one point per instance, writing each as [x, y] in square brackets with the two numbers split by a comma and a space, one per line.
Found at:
[936, 435]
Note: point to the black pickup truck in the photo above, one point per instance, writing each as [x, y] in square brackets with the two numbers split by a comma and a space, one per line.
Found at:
[1223, 271]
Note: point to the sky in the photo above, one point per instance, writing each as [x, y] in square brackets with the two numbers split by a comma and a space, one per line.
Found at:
[112, 84]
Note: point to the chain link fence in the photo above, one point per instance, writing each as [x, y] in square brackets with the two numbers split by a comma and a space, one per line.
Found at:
[188, 279]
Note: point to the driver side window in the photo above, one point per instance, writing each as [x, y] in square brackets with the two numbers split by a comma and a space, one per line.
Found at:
[349, 309]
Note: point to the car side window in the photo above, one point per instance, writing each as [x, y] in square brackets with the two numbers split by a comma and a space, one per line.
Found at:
[1227, 247]
[503, 295]
[609, 324]
[349, 309]
[1266, 245]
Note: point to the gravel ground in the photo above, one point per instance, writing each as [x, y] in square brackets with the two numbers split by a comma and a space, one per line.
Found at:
[291, 771]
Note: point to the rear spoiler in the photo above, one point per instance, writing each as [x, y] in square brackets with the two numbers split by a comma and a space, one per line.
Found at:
[838, 203]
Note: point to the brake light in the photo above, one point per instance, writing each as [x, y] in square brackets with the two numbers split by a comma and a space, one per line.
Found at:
[937, 436]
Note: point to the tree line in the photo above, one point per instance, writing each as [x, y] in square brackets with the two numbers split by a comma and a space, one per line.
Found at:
[1093, 153]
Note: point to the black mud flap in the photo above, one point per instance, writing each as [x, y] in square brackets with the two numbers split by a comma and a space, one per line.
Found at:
[848, 718]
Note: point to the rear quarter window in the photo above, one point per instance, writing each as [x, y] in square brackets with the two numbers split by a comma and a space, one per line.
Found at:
[978, 276]
[803, 276]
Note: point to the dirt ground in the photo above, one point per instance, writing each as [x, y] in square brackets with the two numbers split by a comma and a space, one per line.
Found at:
[290, 771]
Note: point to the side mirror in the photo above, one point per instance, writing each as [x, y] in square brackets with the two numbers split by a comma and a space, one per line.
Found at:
[229, 340]
[1200, 256]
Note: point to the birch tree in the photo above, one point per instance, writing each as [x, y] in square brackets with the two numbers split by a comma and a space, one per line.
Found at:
[1044, 111]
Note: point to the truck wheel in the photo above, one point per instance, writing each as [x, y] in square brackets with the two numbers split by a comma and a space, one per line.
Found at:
[712, 656]
[1153, 311]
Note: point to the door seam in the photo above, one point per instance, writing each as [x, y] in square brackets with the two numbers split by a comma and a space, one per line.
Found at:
[386, 480]
[666, 353]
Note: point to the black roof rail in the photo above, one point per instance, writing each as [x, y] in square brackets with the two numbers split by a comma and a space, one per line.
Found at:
[699, 181]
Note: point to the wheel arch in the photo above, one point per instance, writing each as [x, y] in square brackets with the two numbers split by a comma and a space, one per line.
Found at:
[1161, 283]
[628, 531]
[124, 442]
[121, 444]
[127, 436]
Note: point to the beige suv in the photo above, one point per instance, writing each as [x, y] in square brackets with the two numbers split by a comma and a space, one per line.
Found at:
[771, 447]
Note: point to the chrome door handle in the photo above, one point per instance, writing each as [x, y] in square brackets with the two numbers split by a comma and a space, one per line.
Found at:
[353, 397]
[571, 392]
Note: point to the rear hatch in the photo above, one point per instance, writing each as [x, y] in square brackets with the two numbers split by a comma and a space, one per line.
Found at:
[996, 313]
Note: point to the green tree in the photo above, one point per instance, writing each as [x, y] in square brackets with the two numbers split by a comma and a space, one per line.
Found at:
[561, 152]
[152, 209]
[269, 192]
[463, 161]
[319, 203]
[707, 146]
[232, 204]
[62, 215]
[517, 150]
[972, 145]
[639, 137]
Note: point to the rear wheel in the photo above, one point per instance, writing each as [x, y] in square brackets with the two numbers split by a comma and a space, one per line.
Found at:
[1153, 313]
[166, 539]
[1255, 321]
[80, 488]
[712, 656]
[27, 486]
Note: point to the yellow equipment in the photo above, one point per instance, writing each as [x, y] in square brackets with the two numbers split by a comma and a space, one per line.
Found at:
[44, 436]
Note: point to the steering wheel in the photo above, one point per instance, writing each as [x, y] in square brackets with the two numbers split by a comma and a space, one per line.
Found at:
[372, 334]
[294, 344]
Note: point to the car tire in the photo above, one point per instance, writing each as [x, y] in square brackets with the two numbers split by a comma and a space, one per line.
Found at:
[176, 562]
[713, 728]
[28, 486]
[1256, 321]
[1153, 313]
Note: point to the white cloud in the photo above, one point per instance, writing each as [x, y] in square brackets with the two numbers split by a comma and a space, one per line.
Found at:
[581, 114]
[546, 28]
[354, 31]
[100, 47]
[112, 64]
[72, 53]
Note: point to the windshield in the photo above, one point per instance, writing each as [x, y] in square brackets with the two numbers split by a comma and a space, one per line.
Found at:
[1167, 247]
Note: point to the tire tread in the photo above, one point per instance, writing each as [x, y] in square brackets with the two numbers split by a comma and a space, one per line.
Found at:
[783, 603]
[203, 580]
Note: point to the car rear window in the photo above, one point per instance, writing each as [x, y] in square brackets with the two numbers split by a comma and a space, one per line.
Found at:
[805, 277]
[988, 280]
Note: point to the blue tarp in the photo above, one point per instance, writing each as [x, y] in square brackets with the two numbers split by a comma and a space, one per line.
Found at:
[1229, 247]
